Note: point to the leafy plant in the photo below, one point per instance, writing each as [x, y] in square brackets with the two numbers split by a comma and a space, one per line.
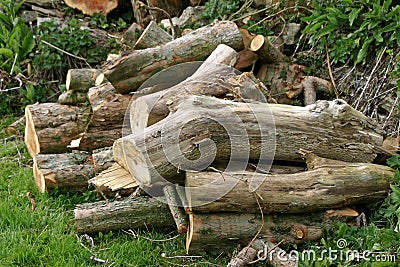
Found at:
[220, 9]
[352, 30]
[16, 39]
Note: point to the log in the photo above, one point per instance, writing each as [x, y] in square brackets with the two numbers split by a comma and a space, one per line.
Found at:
[102, 158]
[246, 59]
[90, 7]
[149, 109]
[152, 36]
[68, 172]
[81, 79]
[313, 86]
[327, 184]
[72, 98]
[267, 52]
[201, 129]
[131, 70]
[174, 205]
[221, 232]
[50, 127]
[16, 127]
[102, 216]
[105, 126]
[112, 181]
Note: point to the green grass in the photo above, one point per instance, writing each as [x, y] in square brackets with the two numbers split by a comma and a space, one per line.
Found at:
[47, 237]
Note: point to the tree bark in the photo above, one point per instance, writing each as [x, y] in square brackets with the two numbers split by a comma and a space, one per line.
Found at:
[68, 172]
[267, 52]
[102, 216]
[81, 79]
[130, 71]
[220, 232]
[72, 98]
[328, 184]
[50, 127]
[201, 129]
[103, 158]
[174, 205]
[152, 36]
[106, 123]
[113, 180]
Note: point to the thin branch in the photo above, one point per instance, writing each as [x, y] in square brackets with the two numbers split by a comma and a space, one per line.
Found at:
[328, 60]
[65, 52]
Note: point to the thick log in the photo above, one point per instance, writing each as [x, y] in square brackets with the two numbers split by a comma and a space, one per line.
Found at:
[267, 51]
[201, 129]
[114, 180]
[90, 7]
[220, 232]
[102, 159]
[211, 78]
[246, 59]
[81, 79]
[327, 184]
[174, 205]
[102, 216]
[152, 36]
[72, 98]
[50, 127]
[106, 123]
[68, 172]
[130, 71]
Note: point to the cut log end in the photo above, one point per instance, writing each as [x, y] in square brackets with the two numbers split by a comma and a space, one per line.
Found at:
[31, 138]
[257, 42]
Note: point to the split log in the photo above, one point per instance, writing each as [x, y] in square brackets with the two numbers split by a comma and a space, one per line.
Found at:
[201, 129]
[114, 180]
[90, 7]
[50, 127]
[327, 184]
[68, 172]
[152, 36]
[207, 232]
[16, 127]
[175, 207]
[105, 126]
[102, 216]
[130, 71]
[81, 79]
[72, 98]
[267, 52]
[103, 158]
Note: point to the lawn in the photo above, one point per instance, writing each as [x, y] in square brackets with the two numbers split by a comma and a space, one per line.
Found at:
[46, 236]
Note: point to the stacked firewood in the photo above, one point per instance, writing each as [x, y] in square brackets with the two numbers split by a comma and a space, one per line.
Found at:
[124, 138]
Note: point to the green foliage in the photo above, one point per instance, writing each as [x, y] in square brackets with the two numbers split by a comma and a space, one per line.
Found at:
[105, 23]
[220, 9]
[353, 30]
[71, 39]
[16, 39]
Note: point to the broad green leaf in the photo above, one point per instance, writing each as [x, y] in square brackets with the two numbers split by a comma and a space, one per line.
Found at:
[27, 45]
[395, 195]
[312, 27]
[8, 53]
[364, 50]
[353, 15]
[393, 161]
[386, 5]
[326, 30]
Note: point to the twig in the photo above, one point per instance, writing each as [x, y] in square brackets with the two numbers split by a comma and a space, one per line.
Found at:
[14, 88]
[328, 60]
[13, 65]
[246, 4]
[370, 77]
[262, 221]
[163, 255]
[65, 52]
[131, 232]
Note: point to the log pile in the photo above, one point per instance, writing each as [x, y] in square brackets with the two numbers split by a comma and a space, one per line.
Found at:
[218, 157]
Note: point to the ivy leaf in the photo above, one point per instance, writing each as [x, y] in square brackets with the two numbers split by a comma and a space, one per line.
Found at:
[362, 54]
